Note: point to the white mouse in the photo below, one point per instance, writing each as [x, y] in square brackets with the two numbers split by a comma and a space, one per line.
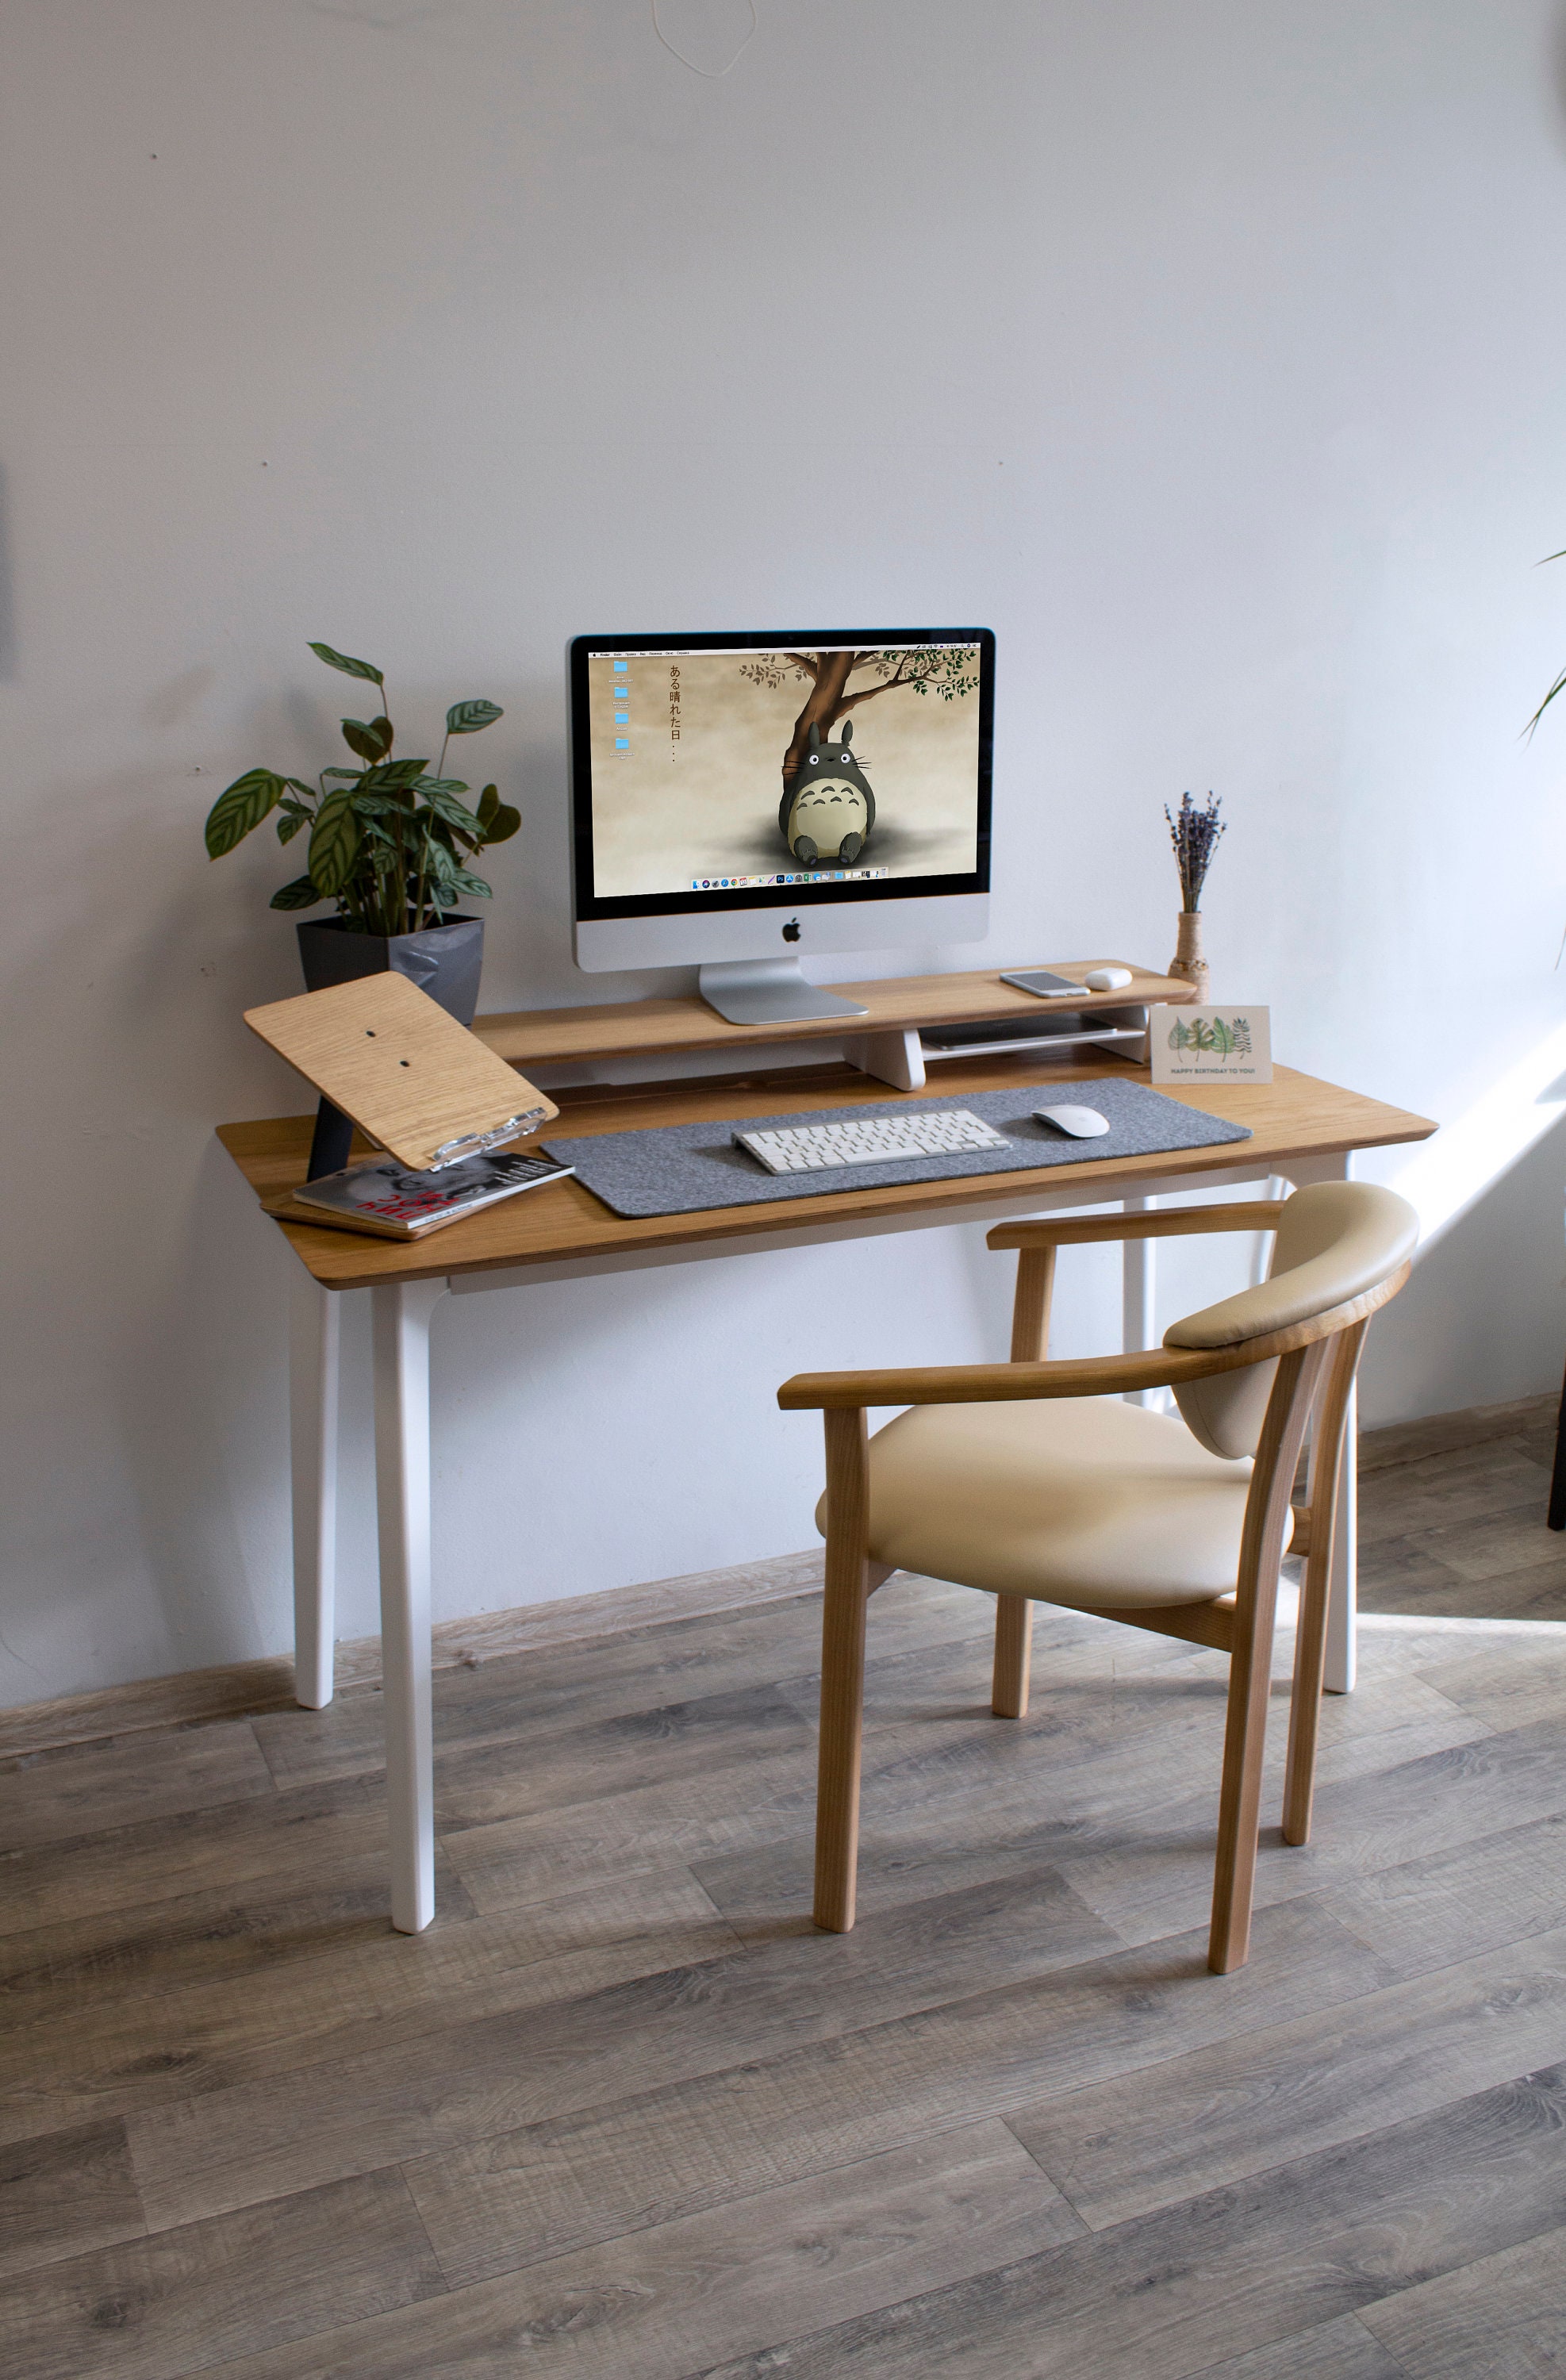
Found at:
[1107, 979]
[1082, 1123]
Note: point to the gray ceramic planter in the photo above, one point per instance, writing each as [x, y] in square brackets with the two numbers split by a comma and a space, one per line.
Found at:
[446, 960]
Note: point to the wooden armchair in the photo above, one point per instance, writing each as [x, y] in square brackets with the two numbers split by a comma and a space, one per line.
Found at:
[1032, 1481]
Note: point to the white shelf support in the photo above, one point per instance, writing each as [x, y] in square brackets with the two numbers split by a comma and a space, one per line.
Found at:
[894, 1058]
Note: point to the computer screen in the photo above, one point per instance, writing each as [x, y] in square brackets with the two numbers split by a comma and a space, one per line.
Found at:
[744, 771]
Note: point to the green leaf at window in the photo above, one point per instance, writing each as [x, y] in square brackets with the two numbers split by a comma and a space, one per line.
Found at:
[345, 663]
[467, 718]
[240, 807]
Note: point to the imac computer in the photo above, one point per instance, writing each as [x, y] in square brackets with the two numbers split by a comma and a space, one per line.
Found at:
[740, 801]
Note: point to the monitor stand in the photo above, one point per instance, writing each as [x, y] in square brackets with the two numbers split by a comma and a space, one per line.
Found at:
[769, 992]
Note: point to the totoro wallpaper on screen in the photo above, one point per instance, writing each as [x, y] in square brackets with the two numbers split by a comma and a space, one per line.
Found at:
[716, 768]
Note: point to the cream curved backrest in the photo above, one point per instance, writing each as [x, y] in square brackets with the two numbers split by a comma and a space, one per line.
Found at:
[1335, 1240]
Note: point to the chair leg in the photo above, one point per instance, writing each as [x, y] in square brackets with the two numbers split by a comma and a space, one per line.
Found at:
[1316, 1593]
[1556, 1516]
[1013, 1614]
[843, 1671]
[1250, 1663]
[1304, 1708]
[1245, 1743]
[1014, 1656]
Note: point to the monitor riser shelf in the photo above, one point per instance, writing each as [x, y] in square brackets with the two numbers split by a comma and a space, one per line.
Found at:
[890, 1045]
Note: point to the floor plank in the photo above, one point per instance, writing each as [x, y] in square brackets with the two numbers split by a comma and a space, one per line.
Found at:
[543, 2185]
[505, 1701]
[184, 2301]
[1509, 1681]
[634, 1670]
[325, 1832]
[660, 2303]
[461, 2082]
[1231, 2271]
[1528, 1420]
[229, 1930]
[1454, 1904]
[1149, 1887]
[52, 1797]
[1503, 2317]
[632, 1752]
[1337, 2350]
[69, 2191]
[1453, 1491]
[404, 1971]
[164, 2050]
[1145, 2140]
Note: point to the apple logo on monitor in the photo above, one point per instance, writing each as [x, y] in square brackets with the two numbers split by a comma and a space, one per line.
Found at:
[791, 932]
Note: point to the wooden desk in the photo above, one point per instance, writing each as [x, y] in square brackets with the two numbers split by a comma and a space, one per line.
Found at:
[1303, 1131]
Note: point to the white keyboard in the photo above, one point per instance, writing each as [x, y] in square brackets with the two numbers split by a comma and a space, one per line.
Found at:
[872, 1140]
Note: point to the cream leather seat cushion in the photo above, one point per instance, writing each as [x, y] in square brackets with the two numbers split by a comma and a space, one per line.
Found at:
[1086, 1501]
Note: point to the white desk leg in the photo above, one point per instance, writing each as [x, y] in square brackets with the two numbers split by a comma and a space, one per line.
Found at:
[315, 1318]
[401, 1322]
[1138, 1286]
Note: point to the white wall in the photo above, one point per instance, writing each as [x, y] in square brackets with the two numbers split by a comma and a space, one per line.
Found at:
[1211, 351]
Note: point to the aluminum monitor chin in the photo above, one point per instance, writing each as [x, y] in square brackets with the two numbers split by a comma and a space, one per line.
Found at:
[766, 796]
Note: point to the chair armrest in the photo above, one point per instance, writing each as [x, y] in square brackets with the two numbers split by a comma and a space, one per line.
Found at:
[981, 1384]
[1091, 1375]
[1158, 1223]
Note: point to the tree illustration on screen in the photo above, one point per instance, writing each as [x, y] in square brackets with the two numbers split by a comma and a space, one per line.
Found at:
[948, 671]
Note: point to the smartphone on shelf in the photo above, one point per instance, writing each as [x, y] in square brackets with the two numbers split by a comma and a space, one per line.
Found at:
[1047, 986]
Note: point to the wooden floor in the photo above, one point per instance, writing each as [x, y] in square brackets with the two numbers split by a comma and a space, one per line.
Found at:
[621, 2112]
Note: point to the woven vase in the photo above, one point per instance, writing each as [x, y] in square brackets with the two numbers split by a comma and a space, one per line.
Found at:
[1189, 963]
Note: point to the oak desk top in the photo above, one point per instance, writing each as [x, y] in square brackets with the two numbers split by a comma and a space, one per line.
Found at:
[1293, 1116]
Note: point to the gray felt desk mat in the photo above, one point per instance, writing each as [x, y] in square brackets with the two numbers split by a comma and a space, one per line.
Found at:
[685, 1169]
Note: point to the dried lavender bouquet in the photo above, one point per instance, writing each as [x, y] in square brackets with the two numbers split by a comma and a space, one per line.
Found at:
[1193, 834]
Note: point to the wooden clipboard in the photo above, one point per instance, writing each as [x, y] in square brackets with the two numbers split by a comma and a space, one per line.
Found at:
[409, 1075]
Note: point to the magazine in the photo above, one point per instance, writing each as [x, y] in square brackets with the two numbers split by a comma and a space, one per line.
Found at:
[384, 1196]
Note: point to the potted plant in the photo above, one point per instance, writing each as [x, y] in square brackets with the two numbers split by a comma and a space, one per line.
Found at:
[389, 842]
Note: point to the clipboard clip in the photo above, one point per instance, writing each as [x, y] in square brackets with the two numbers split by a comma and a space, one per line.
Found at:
[476, 1144]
